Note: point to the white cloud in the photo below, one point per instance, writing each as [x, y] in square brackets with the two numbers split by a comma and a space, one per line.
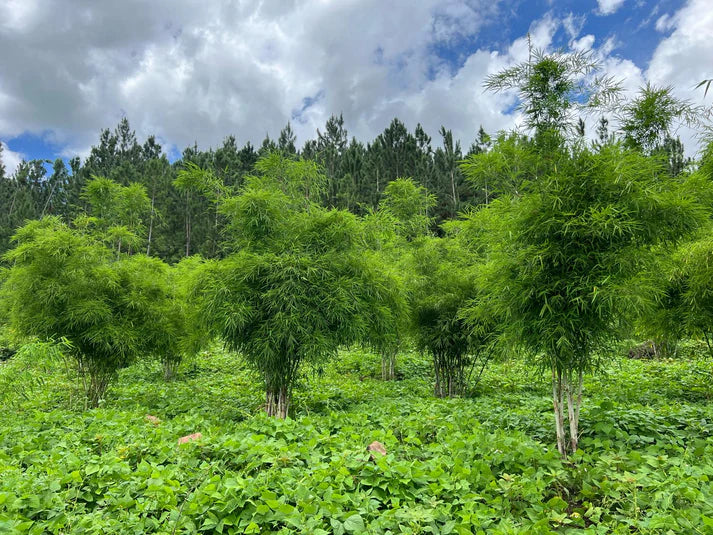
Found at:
[16, 14]
[609, 7]
[245, 68]
[622, 71]
[10, 159]
[186, 74]
[609, 46]
[664, 23]
[583, 44]
[573, 25]
[682, 60]
[646, 21]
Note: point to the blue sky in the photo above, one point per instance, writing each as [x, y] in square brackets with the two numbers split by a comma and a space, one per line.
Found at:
[632, 25]
[190, 76]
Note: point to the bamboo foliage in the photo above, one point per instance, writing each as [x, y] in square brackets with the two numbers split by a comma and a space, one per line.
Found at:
[64, 283]
[117, 213]
[684, 308]
[301, 284]
[569, 261]
[553, 87]
[61, 284]
[446, 324]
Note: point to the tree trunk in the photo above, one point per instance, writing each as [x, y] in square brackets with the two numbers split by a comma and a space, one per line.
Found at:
[95, 380]
[388, 361]
[480, 360]
[270, 404]
[148, 247]
[438, 373]
[47, 203]
[283, 403]
[188, 224]
[278, 387]
[558, 404]
[455, 194]
[12, 206]
[449, 371]
[170, 367]
[708, 343]
[277, 402]
[574, 402]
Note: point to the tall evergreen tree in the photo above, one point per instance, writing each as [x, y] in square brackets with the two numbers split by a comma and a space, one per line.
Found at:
[6, 193]
[309, 150]
[228, 164]
[118, 156]
[57, 202]
[286, 141]
[449, 178]
[248, 158]
[482, 142]
[423, 170]
[198, 213]
[157, 179]
[330, 146]
[355, 183]
[399, 151]
[268, 146]
[2, 163]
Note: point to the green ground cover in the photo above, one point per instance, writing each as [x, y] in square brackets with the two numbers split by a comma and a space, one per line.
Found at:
[486, 463]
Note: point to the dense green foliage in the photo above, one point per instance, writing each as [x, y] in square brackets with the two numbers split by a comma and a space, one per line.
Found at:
[410, 205]
[481, 465]
[552, 87]
[108, 308]
[309, 267]
[302, 284]
[181, 221]
[569, 258]
[647, 121]
[685, 309]
[443, 286]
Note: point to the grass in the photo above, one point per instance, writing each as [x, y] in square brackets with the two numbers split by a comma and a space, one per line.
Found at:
[482, 464]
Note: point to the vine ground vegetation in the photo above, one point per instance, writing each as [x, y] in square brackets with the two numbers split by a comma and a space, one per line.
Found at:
[484, 463]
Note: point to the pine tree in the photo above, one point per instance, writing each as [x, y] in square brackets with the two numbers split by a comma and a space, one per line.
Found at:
[57, 201]
[449, 178]
[330, 146]
[286, 141]
[482, 142]
[2, 163]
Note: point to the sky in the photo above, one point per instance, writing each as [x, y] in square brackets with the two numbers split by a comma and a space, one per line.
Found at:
[186, 74]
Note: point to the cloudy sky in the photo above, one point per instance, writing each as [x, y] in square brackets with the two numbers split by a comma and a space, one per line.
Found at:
[188, 71]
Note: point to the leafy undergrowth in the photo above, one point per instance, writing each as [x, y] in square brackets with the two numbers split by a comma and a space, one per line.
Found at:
[485, 464]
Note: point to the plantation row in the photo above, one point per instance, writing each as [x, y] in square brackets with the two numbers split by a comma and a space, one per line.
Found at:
[576, 246]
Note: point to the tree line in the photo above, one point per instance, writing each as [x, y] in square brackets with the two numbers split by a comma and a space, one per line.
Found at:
[182, 223]
[555, 248]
